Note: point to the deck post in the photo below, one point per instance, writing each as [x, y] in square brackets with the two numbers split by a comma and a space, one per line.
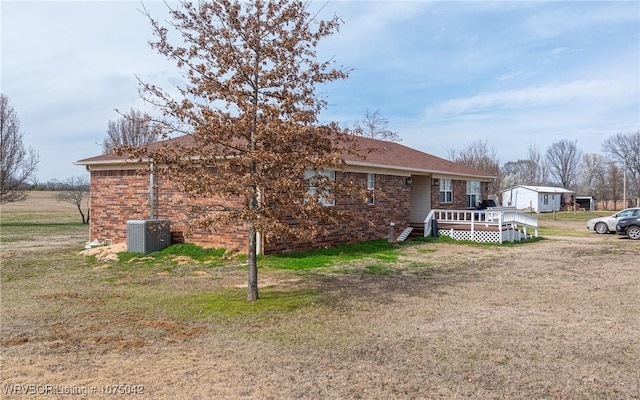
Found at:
[473, 233]
[500, 225]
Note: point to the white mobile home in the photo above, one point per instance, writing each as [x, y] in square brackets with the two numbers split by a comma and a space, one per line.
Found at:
[535, 198]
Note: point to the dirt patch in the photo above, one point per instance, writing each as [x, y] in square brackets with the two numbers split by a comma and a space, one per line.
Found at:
[13, 341]
[105, 252]
[182, 260]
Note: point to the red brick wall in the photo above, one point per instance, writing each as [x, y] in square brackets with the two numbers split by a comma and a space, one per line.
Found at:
[118, 196]
[370, 221]
[459, 196]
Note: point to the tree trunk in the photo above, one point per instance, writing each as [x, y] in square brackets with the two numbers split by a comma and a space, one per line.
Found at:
[253, 265]
[81, 213]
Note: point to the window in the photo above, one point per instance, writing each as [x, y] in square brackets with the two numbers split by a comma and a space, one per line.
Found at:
[371, 185]
[446, 191]
[315, 177]
[545, 199]
[474, 193]
[627, 213]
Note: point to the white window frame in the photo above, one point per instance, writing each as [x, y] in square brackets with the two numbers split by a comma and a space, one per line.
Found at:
[371, 185]
[325, 197]
[446, 190]
[474, 193]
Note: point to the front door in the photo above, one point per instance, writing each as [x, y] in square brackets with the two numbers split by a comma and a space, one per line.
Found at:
[420, 198]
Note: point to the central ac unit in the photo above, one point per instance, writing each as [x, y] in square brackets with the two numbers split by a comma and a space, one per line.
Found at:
[147, 236]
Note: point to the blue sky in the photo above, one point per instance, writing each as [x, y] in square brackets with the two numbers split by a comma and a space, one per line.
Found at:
[444, 74]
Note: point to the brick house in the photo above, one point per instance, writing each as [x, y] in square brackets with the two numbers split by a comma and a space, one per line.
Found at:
[413, 183]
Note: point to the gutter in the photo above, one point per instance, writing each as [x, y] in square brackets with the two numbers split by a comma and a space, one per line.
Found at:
[407, 170]
[436, 173]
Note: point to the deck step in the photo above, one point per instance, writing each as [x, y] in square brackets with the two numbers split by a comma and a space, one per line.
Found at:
[405, 233]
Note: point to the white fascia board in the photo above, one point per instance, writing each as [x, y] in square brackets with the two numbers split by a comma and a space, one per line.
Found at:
[119, 165]
[465, 177]
[125, 163]
[358, 166]
[377, 169]
[352, 166]
[111, 163]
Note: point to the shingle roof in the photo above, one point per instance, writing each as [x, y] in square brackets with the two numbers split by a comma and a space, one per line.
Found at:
[396, 155]
[389, 155]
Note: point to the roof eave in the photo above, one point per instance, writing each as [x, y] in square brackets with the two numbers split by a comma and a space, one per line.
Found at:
[408, 170]
[112, 162]
[419, 171]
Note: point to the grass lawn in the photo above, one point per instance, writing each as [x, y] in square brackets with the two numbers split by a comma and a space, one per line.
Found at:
[555, 318]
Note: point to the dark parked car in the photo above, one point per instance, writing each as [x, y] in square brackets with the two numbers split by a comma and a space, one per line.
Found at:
[483, 205]
[486, 203]
[629, 226]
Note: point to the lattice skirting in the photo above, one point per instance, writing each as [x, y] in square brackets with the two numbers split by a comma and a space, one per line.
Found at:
[508, 235]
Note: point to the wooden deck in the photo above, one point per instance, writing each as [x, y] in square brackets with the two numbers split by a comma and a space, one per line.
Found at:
[467, 227]
[498, 224]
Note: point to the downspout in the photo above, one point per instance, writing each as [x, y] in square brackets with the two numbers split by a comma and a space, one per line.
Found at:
[152, 195]
[259, 244]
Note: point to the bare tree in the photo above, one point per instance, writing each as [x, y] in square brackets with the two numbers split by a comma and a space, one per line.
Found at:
[134, 128]
[538, 173]
[625, 148]
[614, 181]
[530, 171]
[563, 158]
[75, 190]
[479, 156]
[250, 108]
[17, 165]
[514, 173]
[592, 176]
[374, 125]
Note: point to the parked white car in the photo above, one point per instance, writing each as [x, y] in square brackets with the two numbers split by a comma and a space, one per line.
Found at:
[608, 224]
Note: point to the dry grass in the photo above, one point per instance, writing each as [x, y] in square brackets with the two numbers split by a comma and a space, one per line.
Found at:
[41, 223]
[556, 319]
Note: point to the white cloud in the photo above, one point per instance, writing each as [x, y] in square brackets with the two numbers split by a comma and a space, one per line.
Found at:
[442, 73]
[511, 120]
[572, 93]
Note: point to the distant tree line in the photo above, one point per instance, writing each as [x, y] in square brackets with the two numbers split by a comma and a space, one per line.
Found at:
[563, 164]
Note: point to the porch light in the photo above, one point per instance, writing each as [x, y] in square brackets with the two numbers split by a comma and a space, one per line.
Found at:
[436, 181]
[409, 181]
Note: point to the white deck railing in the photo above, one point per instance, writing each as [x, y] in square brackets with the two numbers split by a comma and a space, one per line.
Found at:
[474, 221]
